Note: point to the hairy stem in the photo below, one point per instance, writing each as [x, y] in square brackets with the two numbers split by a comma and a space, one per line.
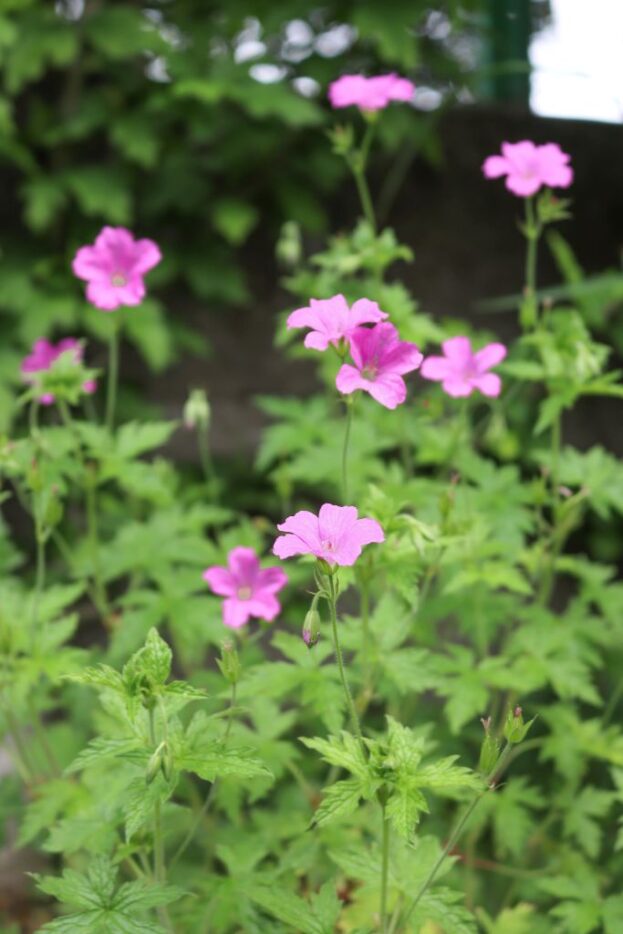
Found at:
[159, 867]
[532, 229]
[113, 374]
[210, 796]
[350, 704]
[452, 840]
[349, 422]
[384, 870]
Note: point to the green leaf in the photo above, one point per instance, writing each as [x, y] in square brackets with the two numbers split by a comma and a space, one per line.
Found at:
[234, 219]
[339, 800]
[100, 749]
[214, 760]
[136, 438]
[283, 905]
[106, 909]
[404, 807]
[101, 192]
[344, 751]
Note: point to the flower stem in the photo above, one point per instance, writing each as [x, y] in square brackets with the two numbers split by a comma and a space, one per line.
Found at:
[532, 232]
[210, 796]
[159, 869]
[357, 163]
[340, 663]
[113, 373]
[347, 430]
[384, 870]
[452, 840]
[547, 581]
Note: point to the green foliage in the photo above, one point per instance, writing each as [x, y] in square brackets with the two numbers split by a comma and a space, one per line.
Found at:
[177, 782]
[104, 907]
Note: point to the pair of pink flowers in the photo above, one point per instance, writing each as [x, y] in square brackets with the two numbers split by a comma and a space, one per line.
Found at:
[113, 267]
[41, 358]
[529, 167]
[381, 359]
[336, 535]
[369, 94]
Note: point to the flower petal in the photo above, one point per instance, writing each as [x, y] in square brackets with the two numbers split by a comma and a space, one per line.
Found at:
[264, 605]
[458, 350]
[271, 580]
[103, 295]
[388, 389]
[489, 356]
[220, 581]
[495, 167]
[235, 613]
[335, 522]
[436, 368]
[244, 566]
[349, 379]
[365, 311]
[489, 384]
[457, 387]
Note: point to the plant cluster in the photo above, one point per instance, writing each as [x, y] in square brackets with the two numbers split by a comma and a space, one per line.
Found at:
[412, 723]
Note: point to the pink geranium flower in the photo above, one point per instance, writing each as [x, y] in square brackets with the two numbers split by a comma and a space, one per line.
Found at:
[460, 370]
[529, 167]
[249, 590]
[336, 534]
[114, 268]
[41, 358]
[381, 359]
[331, 320]
[369, 93]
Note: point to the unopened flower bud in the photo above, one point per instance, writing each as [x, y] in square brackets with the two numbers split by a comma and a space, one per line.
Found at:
[515, 729]
[289, 247]
[311, 627]
[229, 663]
[489, 751]
[197, 410]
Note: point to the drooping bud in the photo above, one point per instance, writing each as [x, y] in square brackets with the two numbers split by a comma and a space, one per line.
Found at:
[311, 628]
[197, 410]
[229, 663]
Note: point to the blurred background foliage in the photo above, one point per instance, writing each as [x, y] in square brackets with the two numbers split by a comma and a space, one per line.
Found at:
[201, 125]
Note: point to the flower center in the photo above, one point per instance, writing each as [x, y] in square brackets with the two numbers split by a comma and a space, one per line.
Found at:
[327, 545]
[244, 593]
[370, 371]
[118, 279]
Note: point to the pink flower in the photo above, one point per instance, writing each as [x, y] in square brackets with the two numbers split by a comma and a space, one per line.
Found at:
[114, 268]
[335, 534]
[331, 320]
[460, 371]
[369, 93]
[381, 359]
[41, 358]
[249, 590]
[528, 167]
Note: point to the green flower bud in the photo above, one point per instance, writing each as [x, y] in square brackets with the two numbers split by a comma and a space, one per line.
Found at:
[289, 247]
[197, 410]
[311, 626]
[229, 663]
[489, 751]
[515, 729]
